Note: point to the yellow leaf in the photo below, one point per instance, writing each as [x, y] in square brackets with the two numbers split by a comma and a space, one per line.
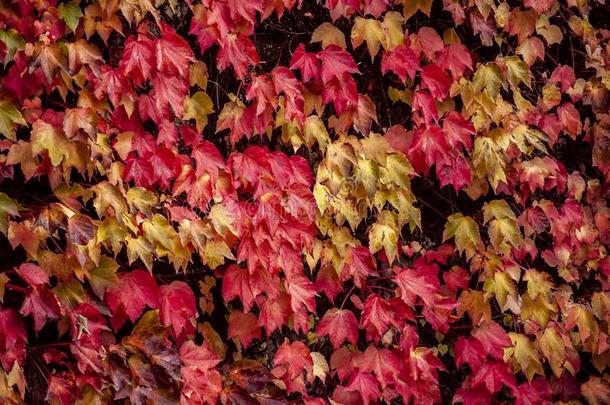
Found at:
[504, 233]
[552, 347]
[551, 33]
[198, 107]
[488, 159]
[139, 248]
[141, 200]
[10, 116]
[369, 30]
[410, 7]
[489, 77]
[497, 209]
[384, 235]
[524, 355]
[394, 34]
[465, 231]
[518, 71]
[328, 34]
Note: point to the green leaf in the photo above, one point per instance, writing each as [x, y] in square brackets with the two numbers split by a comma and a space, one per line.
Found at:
[71, 14]
[9, 117]
[13, 42]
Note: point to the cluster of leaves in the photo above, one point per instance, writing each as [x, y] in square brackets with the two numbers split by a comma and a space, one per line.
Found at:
[183, 221]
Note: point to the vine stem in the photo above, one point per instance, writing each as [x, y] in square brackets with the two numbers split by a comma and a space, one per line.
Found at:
[347, 296]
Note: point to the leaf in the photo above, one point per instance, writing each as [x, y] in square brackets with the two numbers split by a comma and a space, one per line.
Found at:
[13, 42]
[10, 117]
[71, 14]
[384, 234]
[340, 325]
[244, 327]
[8, 208]
[465, 231]
[336, 63]
[198, 107]
[103, 276]
[525, 355]
[291, 360]
[402, 61]
[135, 290]
[370, 31]
[177, 308]
[328, 34]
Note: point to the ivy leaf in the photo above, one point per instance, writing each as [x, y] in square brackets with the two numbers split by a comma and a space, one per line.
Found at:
[465, 231]
[327, 34]
[340, 325]
[177, 308]
[370, 31]
[10, 117]
[198, 107]
[135, 290]
[336, 62]
[71, 14]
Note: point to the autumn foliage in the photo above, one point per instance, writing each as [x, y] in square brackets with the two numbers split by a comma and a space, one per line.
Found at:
[271, 201]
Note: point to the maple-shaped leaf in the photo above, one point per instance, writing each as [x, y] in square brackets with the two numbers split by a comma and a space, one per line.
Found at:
[327, 34]
[456, 59]
[564, 75]
[458, 130]
[140, 171]
[32, 274]
[424, 103]
[493, 338]
[239, 52]
[402, 61]
[436, 81]
[336, 62]
[237, 118]
[493, 375]
[135, 290]
[359, 264]
[469, 351]
[138, 56]
[414, 283]
[177, 308]
[465, 231]
[454, 170]
[290, 361]
[536, 392]
[169, 90]
[307, 62]
[368, 30]
[200, 386]
[429, 146]
[173, 54]
[13, 336]
[236, 283]
[42, 304]
[10, 117]
[366, 385]
[384, 363]
[201, 357]
[379, 314]
[244, 327]
[340, 325]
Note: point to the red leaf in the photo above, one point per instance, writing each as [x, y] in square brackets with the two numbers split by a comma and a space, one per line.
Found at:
[564, 75]
[402, 61]
[493, 338]
[127, 300]
[415, 284]
[200, 357]
[12, 338]
[236, 283]
[336, 63]
[435, 80]
[493, 375]
[366, 385]
[42, 304]
[359, 264]
[290, 360]
[32, 274]
[537, 392]
[458, 130]
[244, 327]
[137, 60]
[340, 325]
[140, 171]
[429, 147]
[169, 91]
[424, 103]
[456, 59]
[173, 53]
[384, 363]
[177, 308]
[307, 62]
[239, 52]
